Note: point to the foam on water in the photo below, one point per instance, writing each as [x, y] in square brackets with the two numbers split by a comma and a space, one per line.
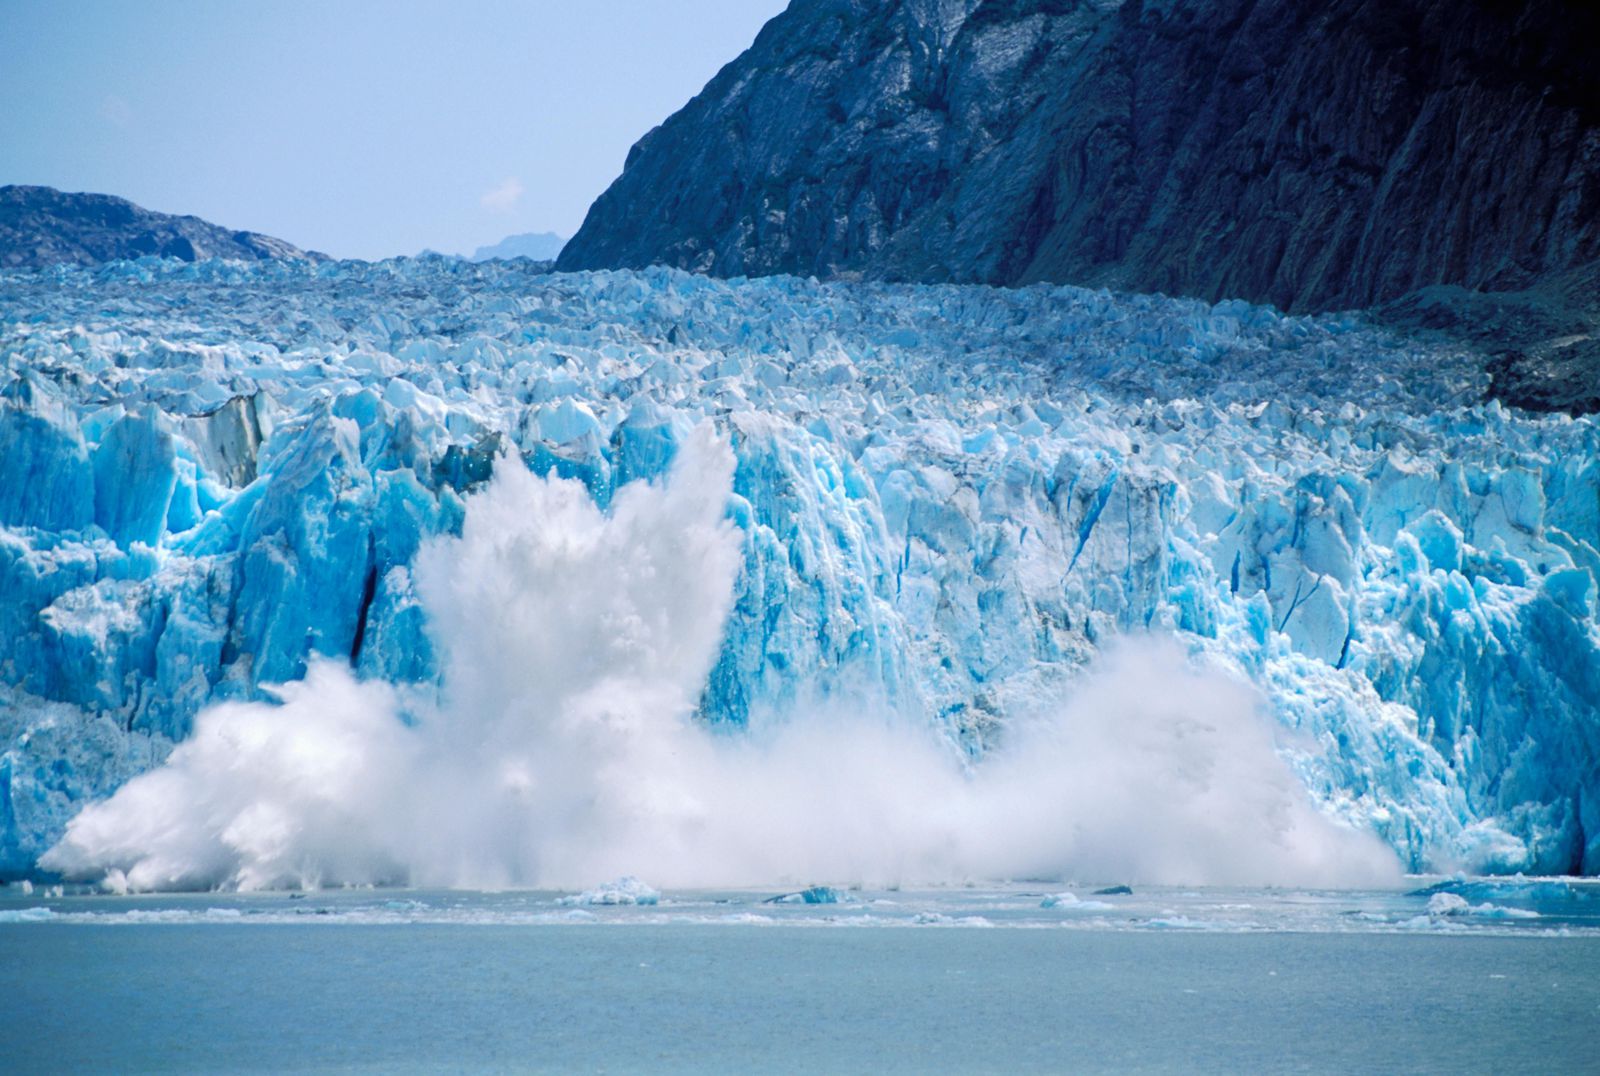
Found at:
[1011, 905]
[563, 748]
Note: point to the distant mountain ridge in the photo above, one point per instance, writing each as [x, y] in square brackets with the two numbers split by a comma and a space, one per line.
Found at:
[539, 246]
[41, 226]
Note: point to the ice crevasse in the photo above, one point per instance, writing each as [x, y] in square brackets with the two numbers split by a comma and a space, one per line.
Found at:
[947, 499]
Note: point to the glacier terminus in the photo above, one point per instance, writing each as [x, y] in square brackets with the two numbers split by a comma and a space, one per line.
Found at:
[234, 490]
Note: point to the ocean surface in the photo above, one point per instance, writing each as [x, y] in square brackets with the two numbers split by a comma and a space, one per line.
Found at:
[1454, 976]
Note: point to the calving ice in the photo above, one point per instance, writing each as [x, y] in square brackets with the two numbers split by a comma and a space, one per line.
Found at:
[440, 573]
[575, 643]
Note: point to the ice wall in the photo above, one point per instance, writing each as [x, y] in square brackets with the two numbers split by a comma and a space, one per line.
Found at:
[947, 499]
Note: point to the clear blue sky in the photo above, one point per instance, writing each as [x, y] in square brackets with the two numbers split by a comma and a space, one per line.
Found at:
[359, 128]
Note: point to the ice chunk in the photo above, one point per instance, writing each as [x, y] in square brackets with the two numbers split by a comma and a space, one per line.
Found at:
[1447, 904]
[1069, 902]
[625, 890]
[817, 894]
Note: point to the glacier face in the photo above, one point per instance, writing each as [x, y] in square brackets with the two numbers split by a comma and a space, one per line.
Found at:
[947, 499]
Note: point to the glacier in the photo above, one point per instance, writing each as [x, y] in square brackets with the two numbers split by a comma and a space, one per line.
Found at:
[945, 501]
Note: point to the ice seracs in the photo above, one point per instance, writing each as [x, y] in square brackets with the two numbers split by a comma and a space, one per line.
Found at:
[946, 498]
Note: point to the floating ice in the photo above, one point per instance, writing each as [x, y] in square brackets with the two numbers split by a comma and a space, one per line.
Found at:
[1070, 902]
[1451, 904]
[625, 890]
[817, 894]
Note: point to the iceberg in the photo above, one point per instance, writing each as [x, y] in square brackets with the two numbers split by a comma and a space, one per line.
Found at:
[1071, 902]
[625, 890]
[943, 501]
[817, 894]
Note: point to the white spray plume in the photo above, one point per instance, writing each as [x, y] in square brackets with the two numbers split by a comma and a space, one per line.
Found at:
[576, 643]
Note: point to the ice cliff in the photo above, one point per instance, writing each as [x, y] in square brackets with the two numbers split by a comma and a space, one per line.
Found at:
[946, 499]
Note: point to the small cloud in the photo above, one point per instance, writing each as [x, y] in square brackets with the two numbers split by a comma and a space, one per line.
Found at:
[116, 111]
[504, 197]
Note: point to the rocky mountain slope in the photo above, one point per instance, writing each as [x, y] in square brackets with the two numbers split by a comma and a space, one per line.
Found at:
[1315, 156]
[41, 226]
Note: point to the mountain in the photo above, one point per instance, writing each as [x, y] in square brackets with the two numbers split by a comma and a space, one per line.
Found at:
[41, 226]
[539, 246]
[1314, 156]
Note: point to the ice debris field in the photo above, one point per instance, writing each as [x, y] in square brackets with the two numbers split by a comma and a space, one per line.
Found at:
[451, 574]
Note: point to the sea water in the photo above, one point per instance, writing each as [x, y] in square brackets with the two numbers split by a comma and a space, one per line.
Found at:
[1456, 975]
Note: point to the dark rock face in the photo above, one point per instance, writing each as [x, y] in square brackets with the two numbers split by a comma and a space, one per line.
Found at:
[41, 226]
[1542, 343]
[1311, 155]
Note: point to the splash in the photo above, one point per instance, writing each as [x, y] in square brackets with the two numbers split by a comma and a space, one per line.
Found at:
[564, 749]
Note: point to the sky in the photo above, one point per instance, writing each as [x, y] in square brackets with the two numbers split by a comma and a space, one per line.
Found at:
[358, 128]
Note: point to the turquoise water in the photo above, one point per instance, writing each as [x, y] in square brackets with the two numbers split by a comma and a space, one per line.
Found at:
[962, 980]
